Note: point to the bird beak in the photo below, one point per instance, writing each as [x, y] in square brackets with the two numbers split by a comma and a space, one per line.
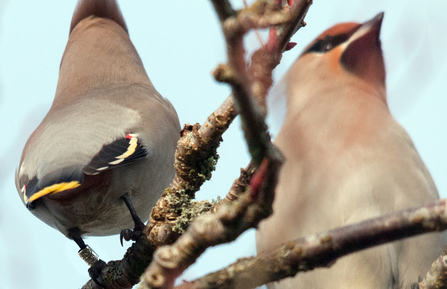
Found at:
[369, 32]
[362, 53]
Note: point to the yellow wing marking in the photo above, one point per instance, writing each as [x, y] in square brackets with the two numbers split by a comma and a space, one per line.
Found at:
[56, 188]
[131, 149]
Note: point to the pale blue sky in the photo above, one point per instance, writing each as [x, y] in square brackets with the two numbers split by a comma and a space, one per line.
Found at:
[180, 44]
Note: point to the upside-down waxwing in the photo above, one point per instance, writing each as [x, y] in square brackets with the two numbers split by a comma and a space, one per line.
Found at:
[104, 152]
[347, 160]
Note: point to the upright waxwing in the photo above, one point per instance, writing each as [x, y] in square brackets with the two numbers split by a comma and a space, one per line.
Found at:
[347, 160]
[105, 151]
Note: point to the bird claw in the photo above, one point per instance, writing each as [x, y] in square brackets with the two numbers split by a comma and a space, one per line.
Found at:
[134, 234]
[95, 271]
[125, 234]
[128, 235]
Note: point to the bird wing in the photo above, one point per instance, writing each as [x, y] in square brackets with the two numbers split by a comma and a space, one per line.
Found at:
[115, 154]
[118, 153]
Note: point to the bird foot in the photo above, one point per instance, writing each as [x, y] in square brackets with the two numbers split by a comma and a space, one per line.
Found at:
[95, 271]
[133, 235]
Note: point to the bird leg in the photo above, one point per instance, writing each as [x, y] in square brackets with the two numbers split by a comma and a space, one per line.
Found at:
[88, 255]
[75, 235]
[134, 234]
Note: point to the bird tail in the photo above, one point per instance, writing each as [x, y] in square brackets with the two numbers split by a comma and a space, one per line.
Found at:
[100, 8]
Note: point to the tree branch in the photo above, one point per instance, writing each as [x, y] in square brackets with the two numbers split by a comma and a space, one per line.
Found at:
[195, 158]
[239, 186]
[209, 230]
[212, 229]
[196, 150]
[436, 277]
[269, 56]
[126, 272]
[323, 249]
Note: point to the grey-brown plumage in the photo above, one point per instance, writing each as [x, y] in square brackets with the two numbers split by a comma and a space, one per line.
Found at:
[347, 160]
[108, 133]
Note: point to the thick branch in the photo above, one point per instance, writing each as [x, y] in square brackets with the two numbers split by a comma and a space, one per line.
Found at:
[323, 249]
[212, 229]
[195, 159]
[126, 272]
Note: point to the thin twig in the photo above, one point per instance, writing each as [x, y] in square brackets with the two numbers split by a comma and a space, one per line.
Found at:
[235, 73]
[269, 56]
[239, 186]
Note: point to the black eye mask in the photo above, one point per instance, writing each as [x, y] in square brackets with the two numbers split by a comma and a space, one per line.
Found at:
[328, 43]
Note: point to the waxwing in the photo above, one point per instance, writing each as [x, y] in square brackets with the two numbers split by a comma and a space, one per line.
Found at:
[104, 152]
[347, 160]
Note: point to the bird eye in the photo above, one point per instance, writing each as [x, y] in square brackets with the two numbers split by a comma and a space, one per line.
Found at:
[328, 43]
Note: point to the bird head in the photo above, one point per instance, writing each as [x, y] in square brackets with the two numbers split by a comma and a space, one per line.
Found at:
[344, 55]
